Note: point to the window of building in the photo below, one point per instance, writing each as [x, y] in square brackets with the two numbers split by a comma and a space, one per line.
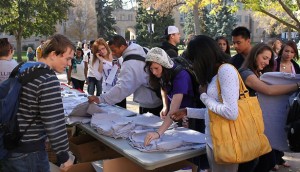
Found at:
[246, 19]
[182, 17]
[239, 18]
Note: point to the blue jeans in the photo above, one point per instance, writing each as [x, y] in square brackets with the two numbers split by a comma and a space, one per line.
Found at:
[77, 84]
[93, 82]
[27, 162]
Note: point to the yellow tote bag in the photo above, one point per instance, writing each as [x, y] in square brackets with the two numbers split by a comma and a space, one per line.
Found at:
[243, 139]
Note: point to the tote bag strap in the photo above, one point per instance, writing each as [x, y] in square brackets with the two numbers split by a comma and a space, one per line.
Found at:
[242, 89]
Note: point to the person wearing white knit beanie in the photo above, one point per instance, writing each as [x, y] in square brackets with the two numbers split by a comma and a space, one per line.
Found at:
[176, 87]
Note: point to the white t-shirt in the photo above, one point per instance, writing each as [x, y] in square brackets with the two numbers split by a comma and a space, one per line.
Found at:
[93, 68]
[107, 67]
[78, 72]
[6, 66]
[86, 51]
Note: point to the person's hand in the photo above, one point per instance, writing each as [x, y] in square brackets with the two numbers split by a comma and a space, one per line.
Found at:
[65, 166]
[202, 89]
[178, 115]
[94, 99]
[86, 81]
[163, 113]
[150, 136]
[99, 56]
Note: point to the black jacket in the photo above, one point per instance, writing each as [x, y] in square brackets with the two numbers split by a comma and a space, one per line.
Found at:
[170, 49]
[296, 66]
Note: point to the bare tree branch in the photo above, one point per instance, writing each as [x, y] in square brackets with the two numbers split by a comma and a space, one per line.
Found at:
[289, 12]
[298, 3]
[279, 20]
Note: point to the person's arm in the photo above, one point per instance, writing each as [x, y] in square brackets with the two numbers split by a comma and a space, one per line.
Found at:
[69, 73]
[53, 118]
[165, 109]
[175, 104]
[129, 80]
[272, 90]
[229, 84]
[86, 67]
[180, 85]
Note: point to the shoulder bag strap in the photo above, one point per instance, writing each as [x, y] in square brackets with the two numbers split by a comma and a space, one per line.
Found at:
[242, 89]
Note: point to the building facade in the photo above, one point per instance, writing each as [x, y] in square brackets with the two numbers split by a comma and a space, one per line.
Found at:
[126, 21]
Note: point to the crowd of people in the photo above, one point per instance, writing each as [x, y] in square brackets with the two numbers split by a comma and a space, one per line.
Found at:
[114, 69]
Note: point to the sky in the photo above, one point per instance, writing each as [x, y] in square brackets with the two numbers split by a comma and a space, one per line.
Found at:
[129, 3]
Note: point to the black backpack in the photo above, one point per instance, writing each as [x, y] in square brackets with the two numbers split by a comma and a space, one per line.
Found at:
[185, 64]
[293, 122]
[181, 64]
[141, 58]
[11, 88]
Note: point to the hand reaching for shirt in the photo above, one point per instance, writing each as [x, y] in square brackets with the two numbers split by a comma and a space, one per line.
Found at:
[151, 136]
[94, 99]
[202, 89]
[178, 115]
[163, 113]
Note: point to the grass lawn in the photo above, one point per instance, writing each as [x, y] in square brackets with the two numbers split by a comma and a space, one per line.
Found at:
[24, 57]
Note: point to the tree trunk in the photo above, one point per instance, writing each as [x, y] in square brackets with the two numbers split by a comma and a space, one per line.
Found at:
[19, 47]
[289, 35]
[196, 19]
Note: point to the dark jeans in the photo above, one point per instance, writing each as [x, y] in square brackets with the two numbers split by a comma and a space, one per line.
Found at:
[154, 111]
[266, 162]
[77, 84]
[201, 161]
[26, 162]
[122, 103]
[278, 157]
[94, 83]
[248, 166]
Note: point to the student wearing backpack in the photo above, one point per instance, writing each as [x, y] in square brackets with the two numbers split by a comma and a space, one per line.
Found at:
[7, 63]
[176, 87]
[261, 60]
[40, 114]
[132, 79]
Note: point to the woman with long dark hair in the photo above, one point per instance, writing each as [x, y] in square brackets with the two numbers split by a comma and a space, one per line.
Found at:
[223, 44]
[209, 64]
[176, 87]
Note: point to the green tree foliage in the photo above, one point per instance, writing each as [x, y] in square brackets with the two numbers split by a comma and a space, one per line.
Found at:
[24, 18]
[117, 4]
[189, 26]
[142, 27]
[220, 23]
[105, 21]
[286, 12]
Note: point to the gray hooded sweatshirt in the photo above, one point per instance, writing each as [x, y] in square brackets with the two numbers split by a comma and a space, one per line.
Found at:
[132, 79]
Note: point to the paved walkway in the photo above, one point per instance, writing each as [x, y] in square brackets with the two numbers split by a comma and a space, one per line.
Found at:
[292, 158]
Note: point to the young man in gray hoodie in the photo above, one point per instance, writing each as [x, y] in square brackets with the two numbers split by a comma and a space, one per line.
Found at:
[132, 79]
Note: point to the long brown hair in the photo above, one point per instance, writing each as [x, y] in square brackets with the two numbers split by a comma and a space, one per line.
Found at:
[294, 47]
[252, 57]
[99, 41]
[155, 82]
